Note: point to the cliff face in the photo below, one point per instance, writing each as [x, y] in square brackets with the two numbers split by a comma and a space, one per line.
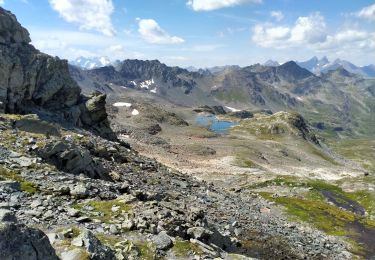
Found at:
[34, 82]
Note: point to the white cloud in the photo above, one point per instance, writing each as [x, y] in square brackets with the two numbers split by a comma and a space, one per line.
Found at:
[151, 32]
[306, 30]
[310, 29]
[88, 14]
[1, 2]
[349, 40]
[367, 12]
[278, 15]
[209, 5]
[310, 33]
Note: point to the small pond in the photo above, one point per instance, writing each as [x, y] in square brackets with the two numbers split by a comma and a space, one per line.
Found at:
[214, 124]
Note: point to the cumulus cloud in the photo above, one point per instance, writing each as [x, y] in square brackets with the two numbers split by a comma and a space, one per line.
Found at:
[151, 32]
[306, 30]
[209, 5]
[311, 32]
[88, 14]
[349, 40]
[367, 12]
[278, 15]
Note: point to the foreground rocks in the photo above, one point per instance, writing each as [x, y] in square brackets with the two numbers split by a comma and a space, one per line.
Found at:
[18, 241]
[143, 205]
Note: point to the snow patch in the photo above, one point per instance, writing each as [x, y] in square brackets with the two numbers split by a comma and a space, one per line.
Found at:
[154, 90]
[122, 104]
[134, 83]
[147, 83]
[135, 112]
[233, 109]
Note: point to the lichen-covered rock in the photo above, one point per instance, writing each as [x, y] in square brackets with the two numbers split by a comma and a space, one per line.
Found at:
[21, 242]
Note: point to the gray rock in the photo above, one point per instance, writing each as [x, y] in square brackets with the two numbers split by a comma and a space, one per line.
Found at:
[94, 247]
[36, 203]
[162, 241]
[199, 233]
[73, 159]
[74, 254]
[7, 216]
[21, 242]
[10, 185]
[128, 224]
[11, 30]
[79, 191]
[73, 212]
[83, 219]
[22, 161]
[113, 229]
[32, 81]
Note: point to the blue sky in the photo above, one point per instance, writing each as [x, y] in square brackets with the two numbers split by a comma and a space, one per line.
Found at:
[201, 33]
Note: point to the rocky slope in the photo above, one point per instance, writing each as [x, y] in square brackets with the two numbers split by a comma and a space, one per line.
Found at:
[33, 82]
[131, 202]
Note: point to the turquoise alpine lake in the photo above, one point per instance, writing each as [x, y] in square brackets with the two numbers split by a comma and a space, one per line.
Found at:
[214, 124]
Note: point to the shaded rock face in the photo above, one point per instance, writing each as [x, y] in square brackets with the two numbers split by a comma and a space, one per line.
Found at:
[11, 31]
[73, 159]
[20, 242]
[33, 82]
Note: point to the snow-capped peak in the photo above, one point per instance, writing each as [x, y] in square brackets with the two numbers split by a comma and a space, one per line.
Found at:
[91, 62]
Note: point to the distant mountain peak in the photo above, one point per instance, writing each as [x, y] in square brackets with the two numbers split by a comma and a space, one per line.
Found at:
[271, 63]
[91, 62]
[293, 69]
[323, 65]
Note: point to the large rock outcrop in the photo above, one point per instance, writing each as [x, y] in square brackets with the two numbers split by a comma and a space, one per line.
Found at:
[18, 241]
[34, 82]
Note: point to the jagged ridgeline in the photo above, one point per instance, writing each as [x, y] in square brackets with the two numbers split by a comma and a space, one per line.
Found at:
[338, 101]
[34, 82]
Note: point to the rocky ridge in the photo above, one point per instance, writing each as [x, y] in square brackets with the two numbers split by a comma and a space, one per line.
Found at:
[33, 82]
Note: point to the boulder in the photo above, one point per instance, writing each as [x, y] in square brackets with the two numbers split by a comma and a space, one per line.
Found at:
[7, 216]
[73, 159]
[199, 233]
[93, 246]
[22, 242]
[92, 109]
[162, 241]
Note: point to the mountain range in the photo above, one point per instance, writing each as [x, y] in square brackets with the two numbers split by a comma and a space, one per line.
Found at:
[314, 65]
[323, 65]
[339, 99]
